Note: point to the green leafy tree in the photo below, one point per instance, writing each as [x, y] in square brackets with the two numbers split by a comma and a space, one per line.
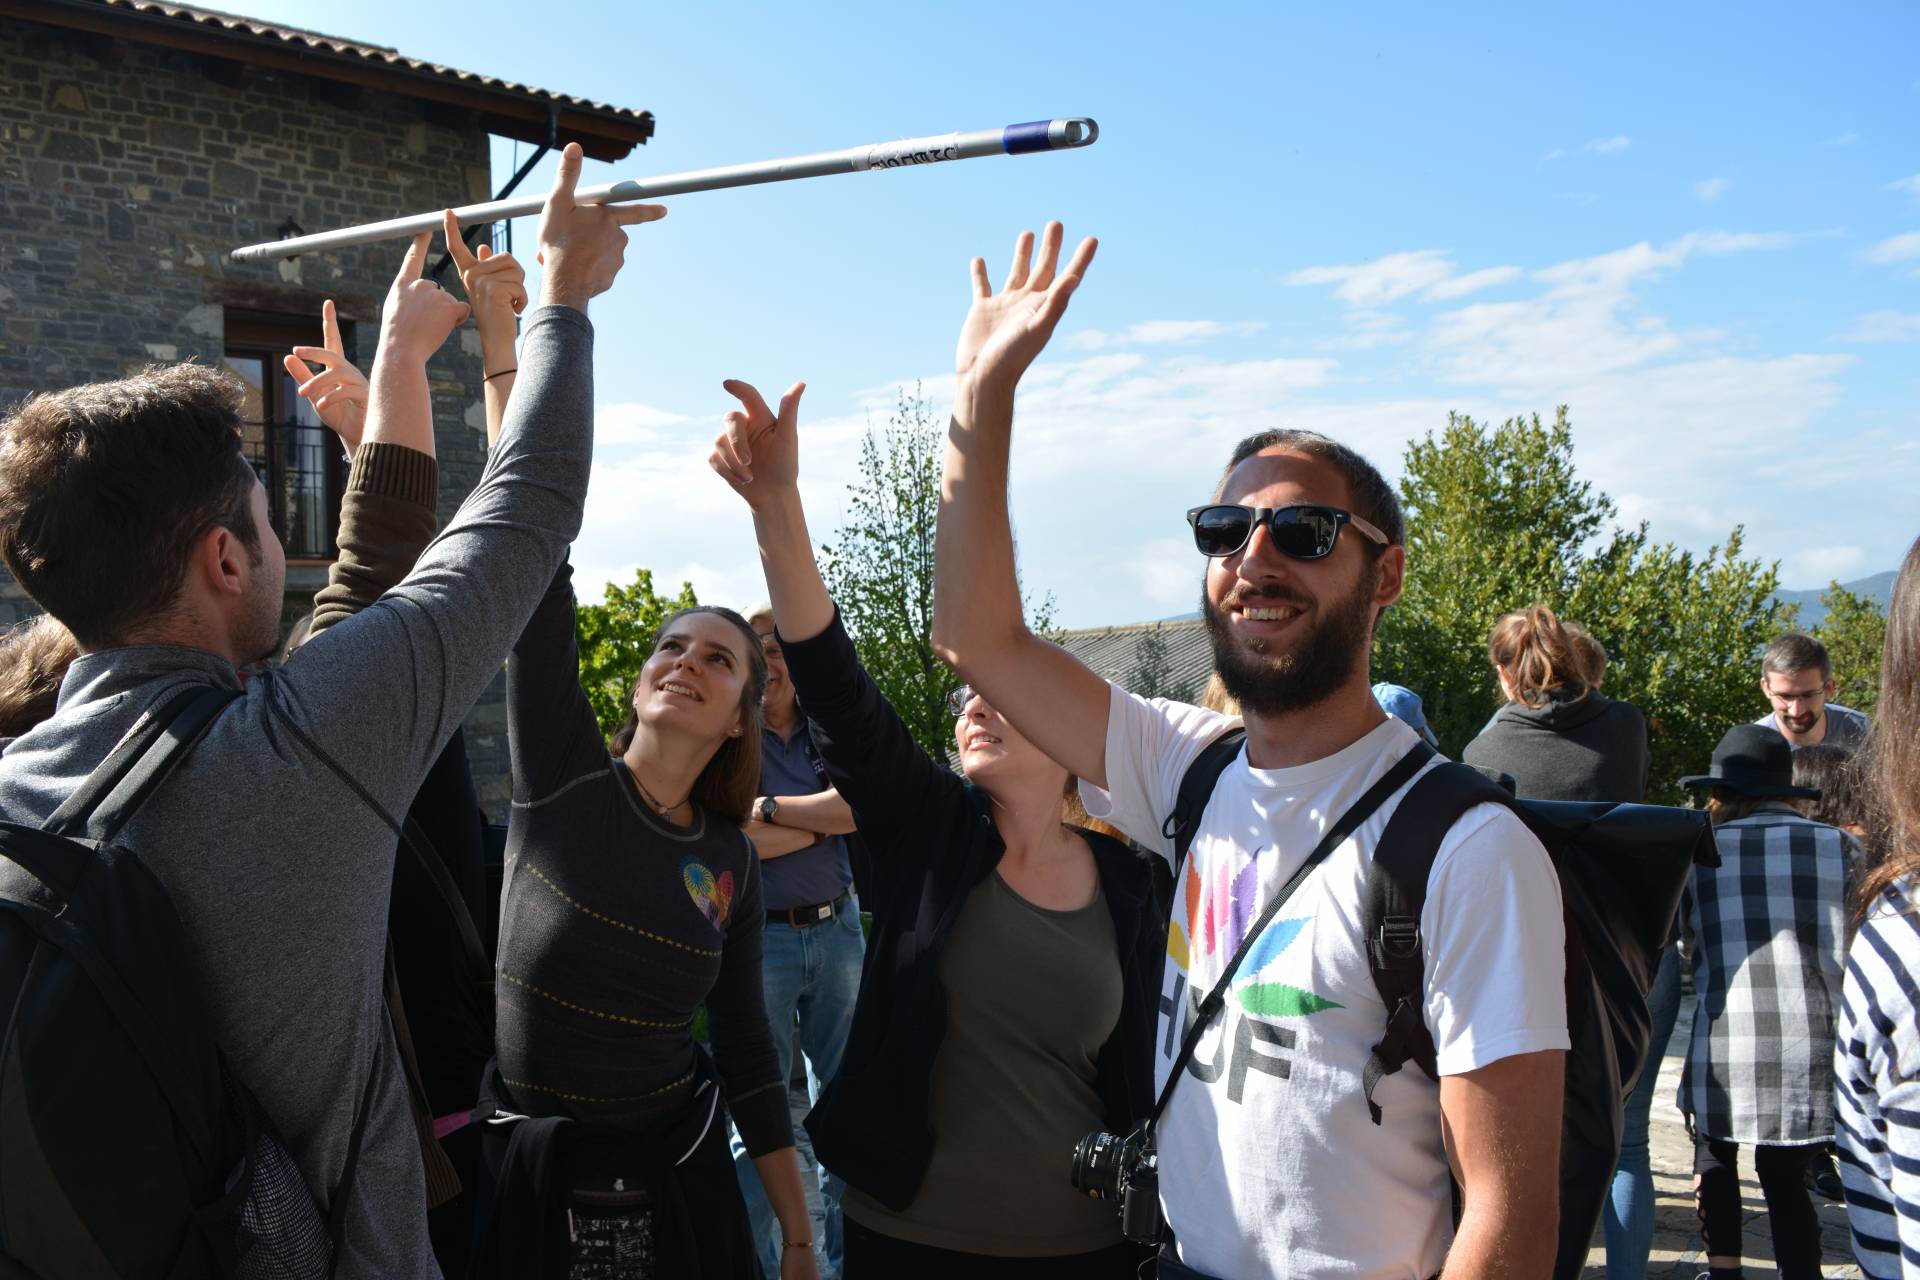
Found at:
[879, 569]
[1152, 674]
[1854, 630]
[1497, 519]
[616, 637]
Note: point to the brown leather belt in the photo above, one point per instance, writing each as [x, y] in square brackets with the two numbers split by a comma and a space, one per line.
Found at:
[801, 917]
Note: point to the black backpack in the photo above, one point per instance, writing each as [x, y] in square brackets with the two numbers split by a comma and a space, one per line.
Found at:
[127, 1149]
[1622, 869]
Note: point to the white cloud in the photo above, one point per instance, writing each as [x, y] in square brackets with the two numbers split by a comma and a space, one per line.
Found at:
[1166, 571]
[1367, 329]
[1584, 324]
[1847, 139]
[1608, 146]
[1822, 565]
[1431, 273]
[632, 423]
[1162, 332]
[1884, 326]
[1909, 185]
[1711, 189]
[1472, 282]
[1387, 279]
[1558, 153]
[1901, 248]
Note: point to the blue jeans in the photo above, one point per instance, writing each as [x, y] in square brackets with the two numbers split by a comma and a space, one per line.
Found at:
[1629, 1217]
[810, 975]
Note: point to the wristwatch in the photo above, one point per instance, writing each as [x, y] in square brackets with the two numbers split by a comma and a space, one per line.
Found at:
[767, 807]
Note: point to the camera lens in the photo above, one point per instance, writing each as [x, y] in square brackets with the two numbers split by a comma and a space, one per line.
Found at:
[1097, 1159]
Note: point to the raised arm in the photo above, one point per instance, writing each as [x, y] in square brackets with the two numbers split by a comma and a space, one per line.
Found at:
[886, 780]
[978, 626]
[387, 511]
[381, 693]
[496, 288]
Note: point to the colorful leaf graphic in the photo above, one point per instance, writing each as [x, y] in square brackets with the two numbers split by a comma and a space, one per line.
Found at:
[1278, 1000]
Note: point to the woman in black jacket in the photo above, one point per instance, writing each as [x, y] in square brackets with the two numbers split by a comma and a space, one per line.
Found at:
[1006, 1007]
[1558, 736]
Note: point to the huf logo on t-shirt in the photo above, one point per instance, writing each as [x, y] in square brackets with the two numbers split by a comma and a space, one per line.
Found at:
[712, 896]
[1218, 917]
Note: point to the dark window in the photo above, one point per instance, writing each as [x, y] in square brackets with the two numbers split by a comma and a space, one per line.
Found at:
[299, 461]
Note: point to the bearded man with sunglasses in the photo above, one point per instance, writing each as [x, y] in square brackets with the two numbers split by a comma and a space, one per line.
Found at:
[1271, 1162]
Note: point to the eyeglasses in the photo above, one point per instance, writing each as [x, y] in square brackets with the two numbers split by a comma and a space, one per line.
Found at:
[957, 700]
[1303, 532]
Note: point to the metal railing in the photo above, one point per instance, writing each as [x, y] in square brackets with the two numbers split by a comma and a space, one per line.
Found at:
[297, 465]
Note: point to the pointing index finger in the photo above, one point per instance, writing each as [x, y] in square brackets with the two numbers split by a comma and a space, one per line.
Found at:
[566, 177]
[463, 259]
[415, 263]
[330, 328]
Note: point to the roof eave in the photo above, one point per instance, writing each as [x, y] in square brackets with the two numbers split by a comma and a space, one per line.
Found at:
[500, 111]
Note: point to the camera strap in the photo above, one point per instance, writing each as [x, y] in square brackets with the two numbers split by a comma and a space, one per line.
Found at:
[1336, 835]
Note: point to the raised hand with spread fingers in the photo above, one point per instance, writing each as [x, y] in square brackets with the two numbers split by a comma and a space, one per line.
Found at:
[1005, 331]
[338, 392]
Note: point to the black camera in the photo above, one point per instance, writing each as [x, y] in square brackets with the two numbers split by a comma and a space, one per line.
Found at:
[1109, 1167]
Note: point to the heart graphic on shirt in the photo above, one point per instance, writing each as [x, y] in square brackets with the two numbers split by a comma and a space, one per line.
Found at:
[712, 896]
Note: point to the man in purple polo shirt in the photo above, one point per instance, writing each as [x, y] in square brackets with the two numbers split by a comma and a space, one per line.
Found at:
[813, 944]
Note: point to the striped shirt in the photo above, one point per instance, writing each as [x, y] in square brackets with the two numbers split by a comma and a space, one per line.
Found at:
[1876, 1069]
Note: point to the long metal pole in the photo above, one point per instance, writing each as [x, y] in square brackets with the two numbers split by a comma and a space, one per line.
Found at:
[1016, 139]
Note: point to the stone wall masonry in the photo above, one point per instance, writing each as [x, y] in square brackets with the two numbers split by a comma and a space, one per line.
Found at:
[124, 183]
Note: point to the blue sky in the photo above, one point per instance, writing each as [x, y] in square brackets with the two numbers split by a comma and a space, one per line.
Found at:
[1698, 226]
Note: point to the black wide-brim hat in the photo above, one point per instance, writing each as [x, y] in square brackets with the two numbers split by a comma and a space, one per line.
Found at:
[1753, 760]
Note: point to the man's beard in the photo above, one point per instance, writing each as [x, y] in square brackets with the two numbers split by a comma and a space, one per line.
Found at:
[1320, 662]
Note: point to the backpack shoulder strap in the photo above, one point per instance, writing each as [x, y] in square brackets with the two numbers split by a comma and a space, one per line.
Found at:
[1196, 788]
[134, 770]
[1396, 894]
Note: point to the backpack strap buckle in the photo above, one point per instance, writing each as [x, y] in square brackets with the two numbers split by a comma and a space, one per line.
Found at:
[1396, 941]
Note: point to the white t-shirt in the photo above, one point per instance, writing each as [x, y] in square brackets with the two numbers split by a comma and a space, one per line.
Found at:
[1269, 1162]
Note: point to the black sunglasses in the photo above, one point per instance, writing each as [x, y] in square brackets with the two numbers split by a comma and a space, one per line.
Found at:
[1303, 532]
[957, 700]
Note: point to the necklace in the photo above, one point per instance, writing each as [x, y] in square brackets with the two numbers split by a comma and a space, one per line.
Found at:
[664, 810]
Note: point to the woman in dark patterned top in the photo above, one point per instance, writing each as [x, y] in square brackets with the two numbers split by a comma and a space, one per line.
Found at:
[631, 899]
[1006, 1006]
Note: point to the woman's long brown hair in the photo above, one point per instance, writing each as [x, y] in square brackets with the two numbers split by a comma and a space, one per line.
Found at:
[731, 779]
[1541, 655]
[1892, 769]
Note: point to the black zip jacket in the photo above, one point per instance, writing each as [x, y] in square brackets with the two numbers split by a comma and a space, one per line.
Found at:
[932, 839]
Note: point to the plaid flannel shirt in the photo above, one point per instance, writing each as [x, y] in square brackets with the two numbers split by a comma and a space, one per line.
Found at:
[1766, 940]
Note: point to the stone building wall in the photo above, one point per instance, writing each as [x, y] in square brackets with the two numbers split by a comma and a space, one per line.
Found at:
[127, 174]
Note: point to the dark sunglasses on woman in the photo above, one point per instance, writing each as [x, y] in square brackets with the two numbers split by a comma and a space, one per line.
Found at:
[1304, 532]
[957, 700]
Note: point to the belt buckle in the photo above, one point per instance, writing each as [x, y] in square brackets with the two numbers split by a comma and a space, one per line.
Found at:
[823, 912]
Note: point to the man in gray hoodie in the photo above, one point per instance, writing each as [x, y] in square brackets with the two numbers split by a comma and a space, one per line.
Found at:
[129, 513]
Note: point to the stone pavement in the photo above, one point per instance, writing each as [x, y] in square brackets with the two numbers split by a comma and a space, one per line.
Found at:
[1676, 1231]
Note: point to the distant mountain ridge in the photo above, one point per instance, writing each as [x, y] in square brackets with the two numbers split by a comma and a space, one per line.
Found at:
[1878, 588]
